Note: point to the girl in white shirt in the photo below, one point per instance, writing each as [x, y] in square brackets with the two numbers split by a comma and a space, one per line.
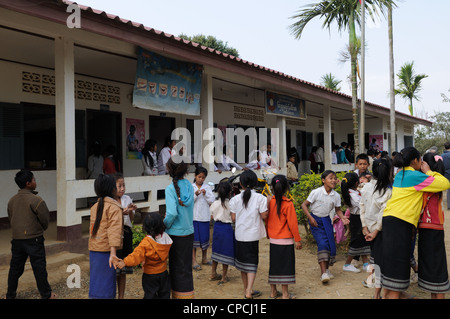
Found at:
[321, 202]
[223, 234]
[127, 247]
[149, 159]
[374, 197]
[358, 245]
[164, 155]
[248, 212]
[203, 198]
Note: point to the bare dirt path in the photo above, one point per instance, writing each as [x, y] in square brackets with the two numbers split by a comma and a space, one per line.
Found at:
[345, 285]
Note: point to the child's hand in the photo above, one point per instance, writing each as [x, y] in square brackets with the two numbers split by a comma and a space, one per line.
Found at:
[113, 261]
[132, 206]
[345, 220]
[298, 245]
[312, 221]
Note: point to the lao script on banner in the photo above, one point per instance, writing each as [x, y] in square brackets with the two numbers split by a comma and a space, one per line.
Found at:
[279, 104]
[166, 85]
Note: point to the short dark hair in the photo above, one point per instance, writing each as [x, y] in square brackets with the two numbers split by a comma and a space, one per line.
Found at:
[153, 224]
[22, 177]
[447, 145]
[362, 156]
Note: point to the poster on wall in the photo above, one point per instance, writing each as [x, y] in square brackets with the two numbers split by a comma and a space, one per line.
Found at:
[279, 104]
[135, 138]
[167, 85]
[376, 142]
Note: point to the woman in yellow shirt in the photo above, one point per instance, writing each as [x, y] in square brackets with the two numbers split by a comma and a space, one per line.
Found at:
[401, 216]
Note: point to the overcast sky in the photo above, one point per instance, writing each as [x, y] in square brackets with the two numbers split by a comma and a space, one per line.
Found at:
[258, 29]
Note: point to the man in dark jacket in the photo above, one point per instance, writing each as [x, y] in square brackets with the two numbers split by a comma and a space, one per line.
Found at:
[29, 216]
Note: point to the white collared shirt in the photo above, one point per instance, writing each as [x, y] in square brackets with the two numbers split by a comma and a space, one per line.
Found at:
[249, 224]
[220, 213]
[202, 203]
[126, 200]
[372, 205]
[322, 203]
[355, 198]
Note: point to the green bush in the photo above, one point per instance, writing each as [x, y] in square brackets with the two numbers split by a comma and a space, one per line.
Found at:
[138, 235]
[301, 191]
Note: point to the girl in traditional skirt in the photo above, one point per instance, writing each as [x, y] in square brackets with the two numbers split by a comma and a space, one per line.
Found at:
[106, 230]
[179, 226]
[433, 274]
[127, 248]
[248, 212]
[223, 244]
[322, 201]
[203, 198]
[282, 229]
[358, 245]
[401, 216]
[374, 196]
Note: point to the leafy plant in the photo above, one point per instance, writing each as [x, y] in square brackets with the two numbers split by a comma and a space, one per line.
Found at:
[301, 191]
[138, 235]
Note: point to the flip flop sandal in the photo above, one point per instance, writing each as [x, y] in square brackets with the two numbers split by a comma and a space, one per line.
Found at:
[216, 277]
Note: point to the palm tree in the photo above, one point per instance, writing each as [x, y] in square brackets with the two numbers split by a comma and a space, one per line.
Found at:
[344, 13]
[391, 79]
[330, 82]
[409, 84]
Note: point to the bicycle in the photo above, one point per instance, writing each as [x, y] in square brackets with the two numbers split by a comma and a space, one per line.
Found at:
[263, 186]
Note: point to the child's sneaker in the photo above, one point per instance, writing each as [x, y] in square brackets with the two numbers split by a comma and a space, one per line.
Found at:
[330, 274]
[324, 278]
[350, 268]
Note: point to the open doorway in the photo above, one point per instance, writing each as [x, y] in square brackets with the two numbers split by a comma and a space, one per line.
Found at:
[104, 127]
[159, 128]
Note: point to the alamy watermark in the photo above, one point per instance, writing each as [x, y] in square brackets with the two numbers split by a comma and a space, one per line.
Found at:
[231, 144]
[74, 19]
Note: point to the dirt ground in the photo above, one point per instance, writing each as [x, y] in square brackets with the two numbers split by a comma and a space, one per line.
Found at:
[345, 285]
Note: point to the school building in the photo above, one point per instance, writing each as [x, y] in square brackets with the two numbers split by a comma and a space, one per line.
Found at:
[64, 86]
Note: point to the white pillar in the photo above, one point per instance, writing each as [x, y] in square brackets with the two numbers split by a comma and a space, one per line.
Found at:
[65, 136]
[327, 136]
[281, 147]
[206, 112]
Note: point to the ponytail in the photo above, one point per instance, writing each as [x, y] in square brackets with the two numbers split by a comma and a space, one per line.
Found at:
[177, 171]
[435, 162]
[349, 181]
[248, 180]
[105, 186]
[279, 185]
[405, 157]
[224, 192]
[383, 173]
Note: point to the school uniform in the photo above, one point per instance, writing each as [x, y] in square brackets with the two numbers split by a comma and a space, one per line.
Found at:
[322, 203]
[224, 242]
[358, 245]
[249, 230]
[371, 206]
[127, 245]
[202, 216]
[400, 217]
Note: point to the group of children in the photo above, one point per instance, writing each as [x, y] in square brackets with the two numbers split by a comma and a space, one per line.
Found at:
[381, 210]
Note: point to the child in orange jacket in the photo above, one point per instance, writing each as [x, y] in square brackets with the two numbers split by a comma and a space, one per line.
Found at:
[282, 230]
[153, 250]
